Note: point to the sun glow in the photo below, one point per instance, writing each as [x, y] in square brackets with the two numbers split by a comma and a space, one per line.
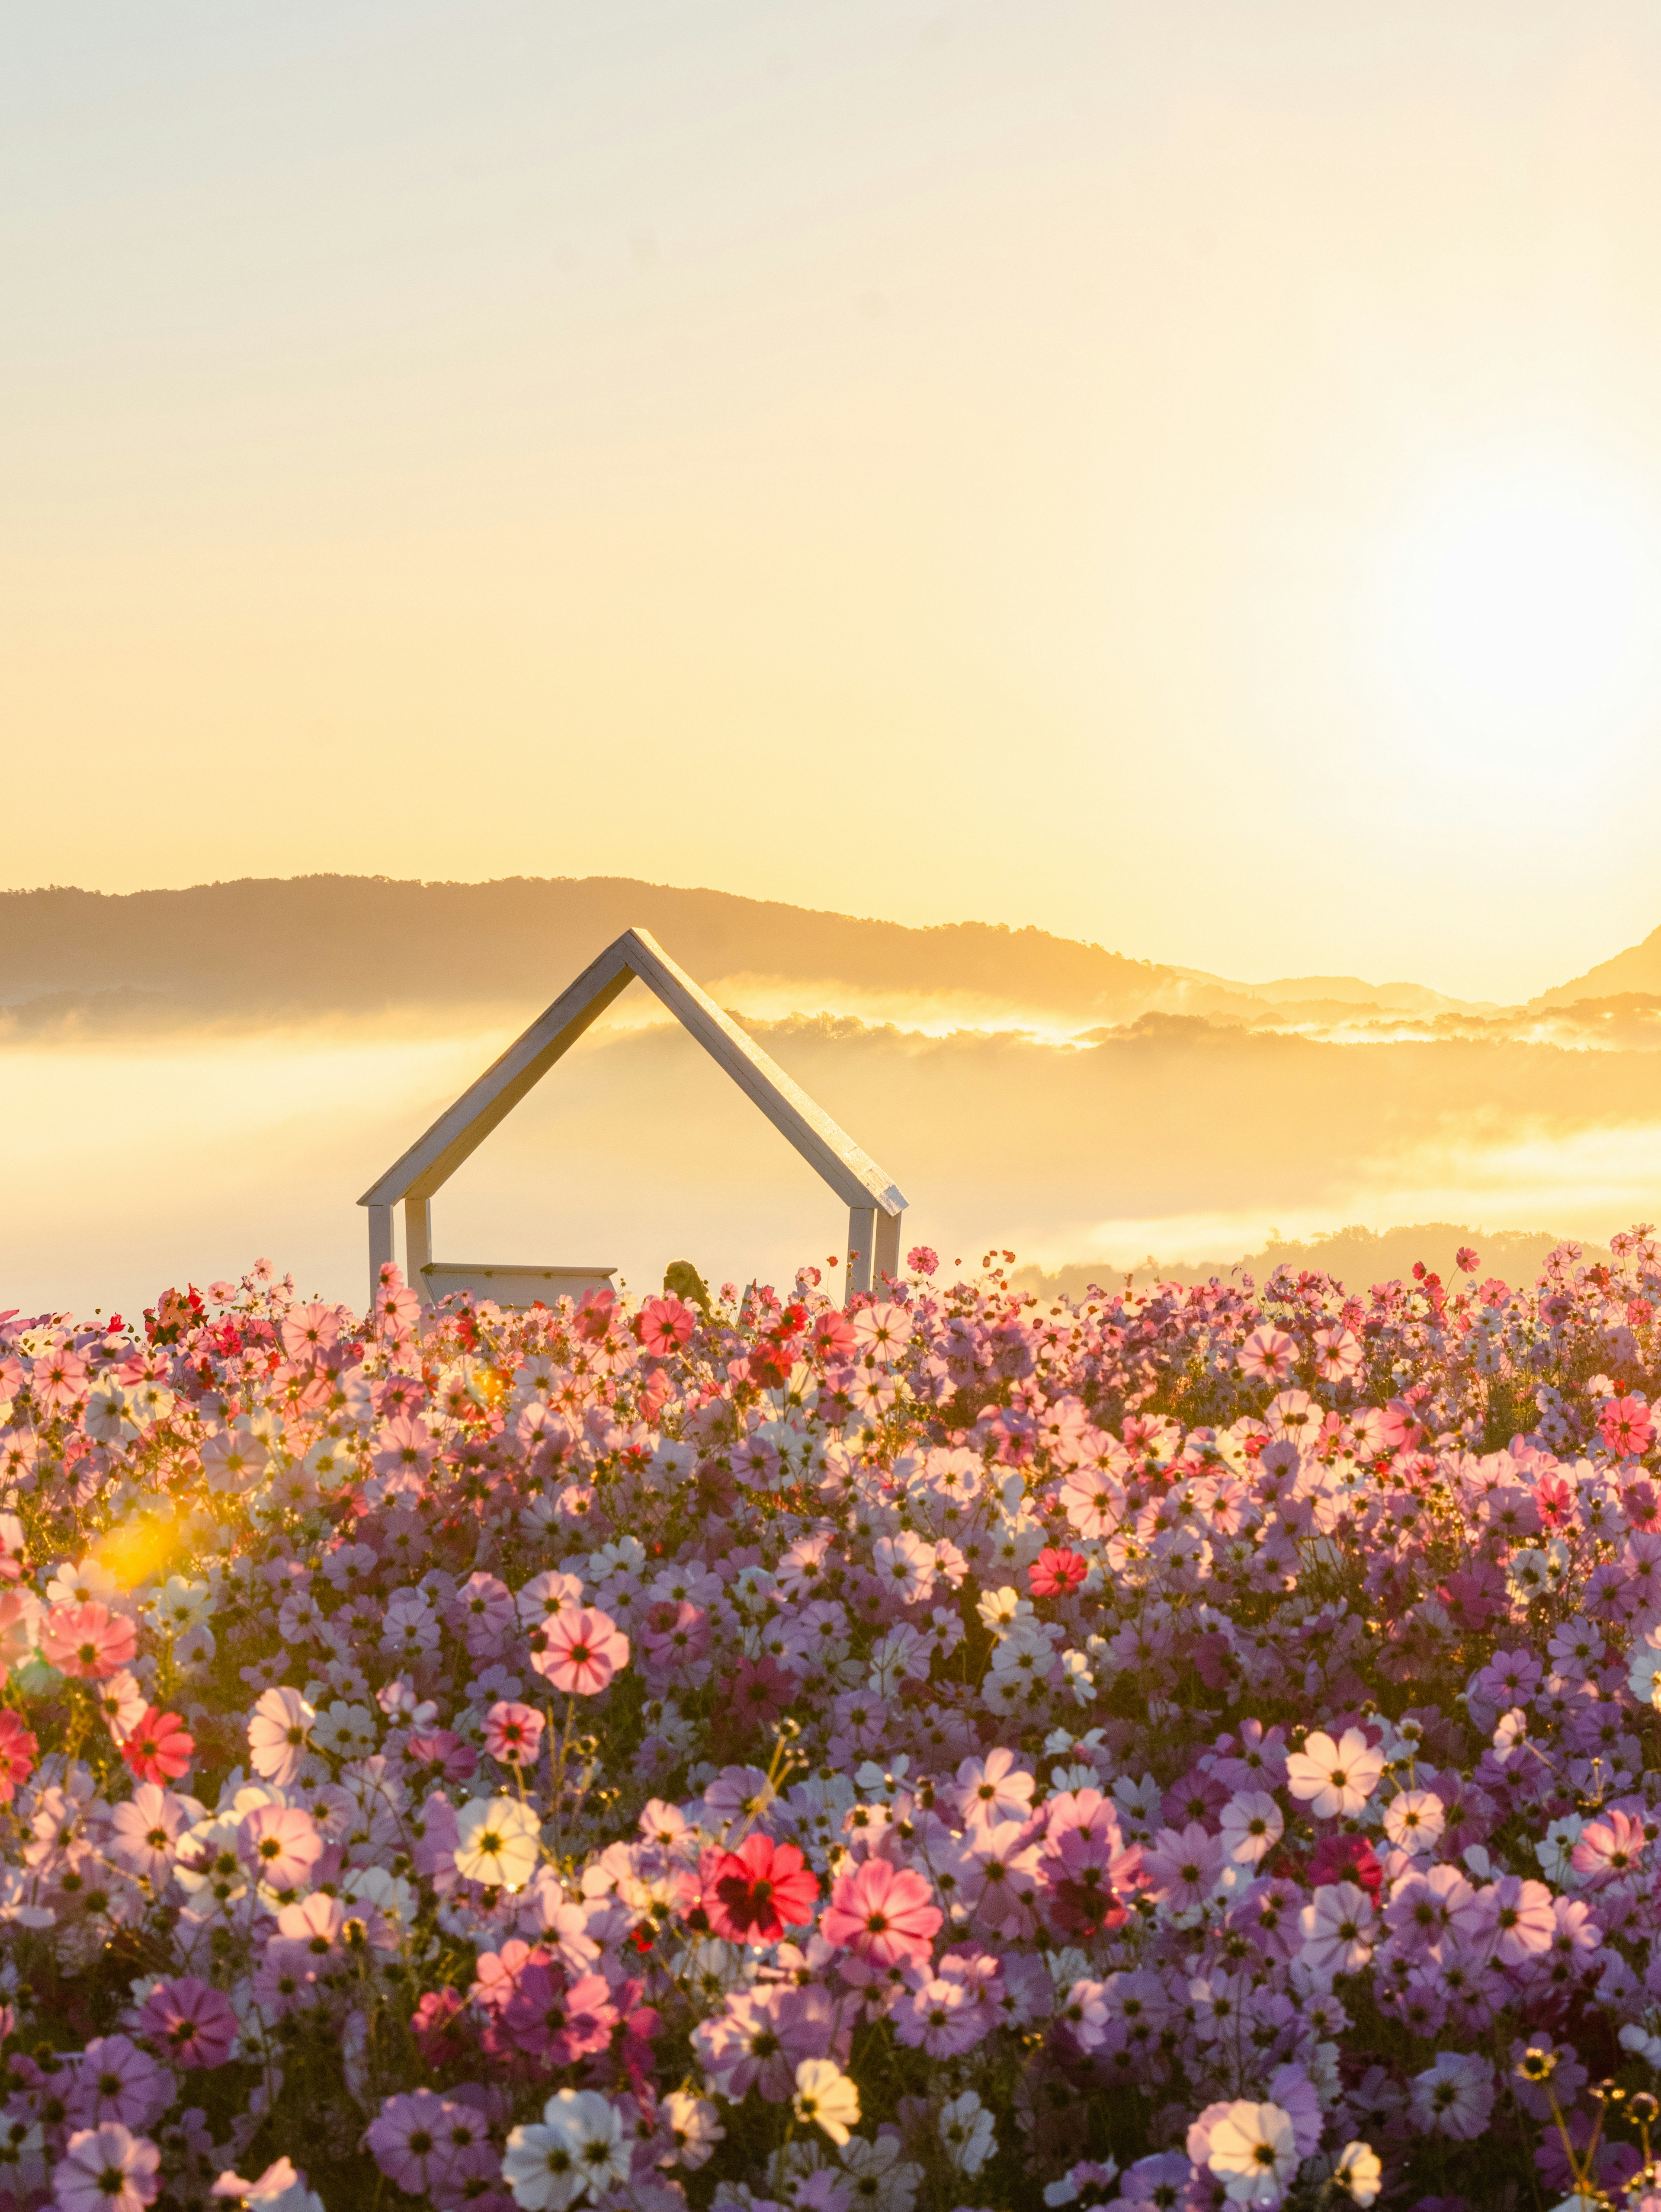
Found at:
[1533, 610]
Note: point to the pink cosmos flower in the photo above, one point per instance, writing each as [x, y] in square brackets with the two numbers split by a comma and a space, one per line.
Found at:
[115, 2080]
[59, 1379]
[584, 1647]
[1608, 1847]
[1335, 1929]
[280, 1844]
[1526, 1923]
[484, 1610]
[548, 2018]
[943, 2019]
[404, 1445]
[86, 1642]
[763, 2036]
[994, 1788]
[1181, 1867]
[107, 2169]
[406, 2139]
[1337, 1354]
[192, 2019]
[1454, 2096]
[160, 1747]
[882, 1912]
[278, 1730]
[122, 1703]
[513, 1733]
[1093, 1501]
[308, 1332]
[752, 1894]
[1267, 1355]
[143, 1831]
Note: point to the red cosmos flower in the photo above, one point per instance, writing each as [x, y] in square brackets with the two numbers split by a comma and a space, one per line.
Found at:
[1347, 1858]
[760, 1691]
[160, 1749]
[1056, 1573]
[752, 1894]
[88, 1641]
[1627, 1426]
[665, 1326]
[19, 1750]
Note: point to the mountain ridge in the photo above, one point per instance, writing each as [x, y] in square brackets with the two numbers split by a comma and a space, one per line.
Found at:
[267, 947]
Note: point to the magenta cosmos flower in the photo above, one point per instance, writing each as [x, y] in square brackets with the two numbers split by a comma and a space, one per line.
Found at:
[192, 2019]
[584, 1647]
[882, 1912]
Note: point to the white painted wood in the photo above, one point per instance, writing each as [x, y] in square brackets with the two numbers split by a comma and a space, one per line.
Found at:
[886, 1253]
[429, 1163]
[851, 1173]
[417, 1244]
[516, 1286]
[870, 1194]
[461, 1128]
[861, 1244]
[381, 1248]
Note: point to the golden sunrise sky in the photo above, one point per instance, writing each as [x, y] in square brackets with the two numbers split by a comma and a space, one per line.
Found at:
[1183, 472]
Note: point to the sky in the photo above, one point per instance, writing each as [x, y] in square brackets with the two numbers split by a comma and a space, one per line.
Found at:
[1183, 474]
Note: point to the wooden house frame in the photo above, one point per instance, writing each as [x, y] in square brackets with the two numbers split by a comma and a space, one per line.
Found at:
[875, 1202]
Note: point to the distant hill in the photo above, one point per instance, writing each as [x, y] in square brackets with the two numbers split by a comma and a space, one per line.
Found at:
[310, 942]
[261, 950]
[266, 947]
[1636, 971]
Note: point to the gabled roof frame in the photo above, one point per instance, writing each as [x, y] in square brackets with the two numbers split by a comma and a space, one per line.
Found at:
[874, 1202]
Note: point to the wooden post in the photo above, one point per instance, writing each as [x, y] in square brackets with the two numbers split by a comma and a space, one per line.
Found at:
[885, 1255]
[380, 1249]
[861, 1246]
[418, 1245]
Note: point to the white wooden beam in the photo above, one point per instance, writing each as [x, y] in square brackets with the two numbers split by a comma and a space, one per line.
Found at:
[851, 1173]
[380, 1249]
[862, 1245]
[461, 1128]
[886, 1253]
[418, 1245]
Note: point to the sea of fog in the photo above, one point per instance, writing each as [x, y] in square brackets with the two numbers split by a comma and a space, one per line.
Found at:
[135, 1164]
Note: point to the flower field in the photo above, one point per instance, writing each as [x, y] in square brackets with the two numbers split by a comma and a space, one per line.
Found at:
[1189, 1748]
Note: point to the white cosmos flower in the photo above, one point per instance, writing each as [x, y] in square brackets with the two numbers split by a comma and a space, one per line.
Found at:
[826, 2098]
[1358, 2172]
[498, 1843]
[966, 2130]
[1413, 1820]
[1251, 1827]
[1254, 2153]
[1335, 1779]
[692, 2123]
